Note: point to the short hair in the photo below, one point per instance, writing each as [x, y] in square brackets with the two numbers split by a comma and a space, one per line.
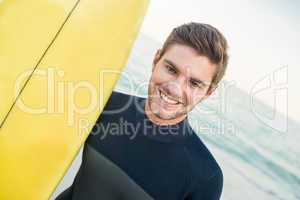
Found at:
[206, 40]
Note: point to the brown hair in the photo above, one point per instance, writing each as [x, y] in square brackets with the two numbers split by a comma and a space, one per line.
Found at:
[206, 40]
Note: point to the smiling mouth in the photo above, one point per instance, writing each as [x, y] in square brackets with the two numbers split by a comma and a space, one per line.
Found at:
[168, 99]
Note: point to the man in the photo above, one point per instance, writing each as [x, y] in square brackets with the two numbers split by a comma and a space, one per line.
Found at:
[144, 148]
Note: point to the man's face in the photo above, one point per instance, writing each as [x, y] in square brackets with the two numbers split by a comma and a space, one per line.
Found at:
[180, 80]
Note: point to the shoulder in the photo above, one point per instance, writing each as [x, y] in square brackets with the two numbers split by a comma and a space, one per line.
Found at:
[120, 104]
[119, 101]
[119, 94]
[203, 164]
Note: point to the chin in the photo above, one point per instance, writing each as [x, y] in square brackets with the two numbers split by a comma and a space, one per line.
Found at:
[164, 108]
[165, 115]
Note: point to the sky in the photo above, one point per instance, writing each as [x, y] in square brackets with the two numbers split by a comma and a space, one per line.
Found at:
[263, 37]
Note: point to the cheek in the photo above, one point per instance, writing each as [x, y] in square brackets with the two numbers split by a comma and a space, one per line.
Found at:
[195, 97]
[160, 75]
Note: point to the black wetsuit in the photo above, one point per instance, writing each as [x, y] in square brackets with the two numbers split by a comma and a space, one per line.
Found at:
[128, 157]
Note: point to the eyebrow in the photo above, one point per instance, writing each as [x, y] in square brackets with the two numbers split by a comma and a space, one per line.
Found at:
[193, 79]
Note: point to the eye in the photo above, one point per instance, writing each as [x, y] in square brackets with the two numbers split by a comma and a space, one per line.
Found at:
[171, 69]
[195, 84]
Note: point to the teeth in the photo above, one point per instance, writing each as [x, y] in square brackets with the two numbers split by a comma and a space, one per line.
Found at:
[167, 99]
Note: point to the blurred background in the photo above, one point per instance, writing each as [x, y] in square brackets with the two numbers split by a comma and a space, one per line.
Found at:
[252, 122]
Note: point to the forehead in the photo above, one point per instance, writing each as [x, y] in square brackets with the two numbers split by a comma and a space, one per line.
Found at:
[189, 62]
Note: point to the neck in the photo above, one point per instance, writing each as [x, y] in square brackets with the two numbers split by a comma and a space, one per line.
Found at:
[159, 121]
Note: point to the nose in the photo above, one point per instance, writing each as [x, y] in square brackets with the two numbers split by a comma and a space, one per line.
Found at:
[177, 88]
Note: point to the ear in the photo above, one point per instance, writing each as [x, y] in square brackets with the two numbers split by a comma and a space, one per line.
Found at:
[156, 58]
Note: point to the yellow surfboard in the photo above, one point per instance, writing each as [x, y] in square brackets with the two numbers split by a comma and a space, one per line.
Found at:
[59, 61]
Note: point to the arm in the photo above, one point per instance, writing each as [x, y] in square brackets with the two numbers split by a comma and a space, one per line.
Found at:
[210, 190]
